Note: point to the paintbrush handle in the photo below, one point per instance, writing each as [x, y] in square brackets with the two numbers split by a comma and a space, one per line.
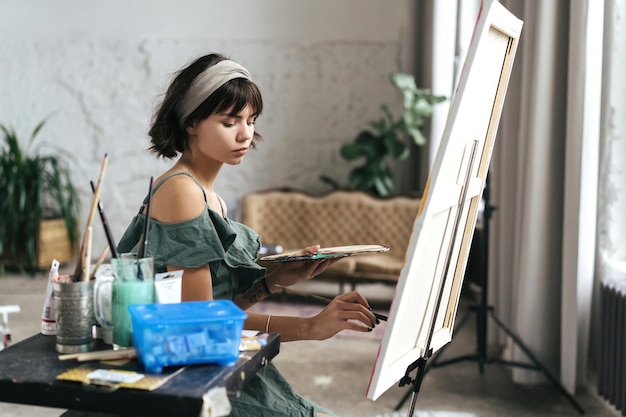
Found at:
[324, 300]
[94, 201]
[306, 294]
[86, 261]
[142, 251]
[105, 224]
[99, 262]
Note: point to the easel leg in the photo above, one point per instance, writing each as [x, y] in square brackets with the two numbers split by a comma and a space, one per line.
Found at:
[536, 362]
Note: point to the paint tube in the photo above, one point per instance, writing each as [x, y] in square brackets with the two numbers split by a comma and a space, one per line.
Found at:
[168, 287]
[48, 320]
[5, 332]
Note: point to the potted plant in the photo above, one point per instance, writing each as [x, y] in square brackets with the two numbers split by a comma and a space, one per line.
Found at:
[37, 197]
[386, 139]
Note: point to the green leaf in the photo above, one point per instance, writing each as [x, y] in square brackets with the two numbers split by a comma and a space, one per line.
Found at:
[383, 184]
[365, 138]
[360, 178]
[330, 181]
[379, 126]
[416, 135]
[403, 82]
[384, 187]
[397, 148]
[351, 151]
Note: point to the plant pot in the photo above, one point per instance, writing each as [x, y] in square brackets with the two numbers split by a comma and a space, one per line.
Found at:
[52, 243]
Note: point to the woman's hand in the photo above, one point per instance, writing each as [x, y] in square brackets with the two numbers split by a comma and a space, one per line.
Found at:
[290, 273]
[348, 311]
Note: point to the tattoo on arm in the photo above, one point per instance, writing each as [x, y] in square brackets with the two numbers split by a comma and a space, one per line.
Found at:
[257, 292]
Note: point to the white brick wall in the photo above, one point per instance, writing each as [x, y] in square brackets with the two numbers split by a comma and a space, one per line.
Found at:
[96, 68]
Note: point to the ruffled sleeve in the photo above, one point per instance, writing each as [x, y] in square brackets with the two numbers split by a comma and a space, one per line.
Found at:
[230, 249]
[190, 244]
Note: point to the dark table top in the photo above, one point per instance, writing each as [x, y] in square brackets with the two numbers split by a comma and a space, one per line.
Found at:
[28, 372]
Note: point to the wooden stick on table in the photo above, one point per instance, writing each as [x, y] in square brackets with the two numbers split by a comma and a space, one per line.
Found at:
[100, 355]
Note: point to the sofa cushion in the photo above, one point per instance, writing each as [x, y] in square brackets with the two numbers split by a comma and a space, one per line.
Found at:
[379, 264]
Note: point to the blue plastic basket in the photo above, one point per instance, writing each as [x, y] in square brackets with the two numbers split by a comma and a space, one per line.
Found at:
[187, 333]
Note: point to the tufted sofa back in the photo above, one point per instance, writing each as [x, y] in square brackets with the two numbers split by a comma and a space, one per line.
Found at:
[294, 219]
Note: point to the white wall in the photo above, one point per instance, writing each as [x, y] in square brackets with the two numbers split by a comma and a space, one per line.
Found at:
[95, 70]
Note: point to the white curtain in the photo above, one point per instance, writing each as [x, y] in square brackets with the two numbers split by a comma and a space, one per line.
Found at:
[528, 174]
[544, 176]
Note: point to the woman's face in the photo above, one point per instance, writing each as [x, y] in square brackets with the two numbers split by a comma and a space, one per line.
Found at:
[223, 137]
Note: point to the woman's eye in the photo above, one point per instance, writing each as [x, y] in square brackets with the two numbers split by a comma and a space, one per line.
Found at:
[227, 124]
[251, 122]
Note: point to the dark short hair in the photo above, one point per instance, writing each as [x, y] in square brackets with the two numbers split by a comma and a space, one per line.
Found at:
[169, 136]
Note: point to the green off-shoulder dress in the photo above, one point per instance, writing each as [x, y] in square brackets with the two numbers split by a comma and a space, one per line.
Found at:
[231, 249]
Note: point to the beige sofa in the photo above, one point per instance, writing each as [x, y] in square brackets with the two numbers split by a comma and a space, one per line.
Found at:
[295, 220]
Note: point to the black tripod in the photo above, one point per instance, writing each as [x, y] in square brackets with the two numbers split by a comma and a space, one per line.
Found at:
[483, 311]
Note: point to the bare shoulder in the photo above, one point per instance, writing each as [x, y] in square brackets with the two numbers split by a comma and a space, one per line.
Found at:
[178, 199]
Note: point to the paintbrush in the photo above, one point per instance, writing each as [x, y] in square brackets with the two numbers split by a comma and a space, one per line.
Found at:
[86, 261]
[96, 197]
[99, 262]
[324, 299]
[142, 250]
[105, 224]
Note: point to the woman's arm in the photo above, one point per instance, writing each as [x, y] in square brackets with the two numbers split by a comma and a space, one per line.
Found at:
[177, 200]
[197, 284]
[284, 275]
[348, 311]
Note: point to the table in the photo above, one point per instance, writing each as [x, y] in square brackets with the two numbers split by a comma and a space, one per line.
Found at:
[28, 371]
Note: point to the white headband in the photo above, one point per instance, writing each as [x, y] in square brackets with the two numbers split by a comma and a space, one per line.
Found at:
[206, 83]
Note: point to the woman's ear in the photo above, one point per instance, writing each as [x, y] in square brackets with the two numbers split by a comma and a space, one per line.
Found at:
[191, 130]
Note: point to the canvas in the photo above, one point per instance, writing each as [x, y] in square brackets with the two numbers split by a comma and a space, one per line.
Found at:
[424, 307]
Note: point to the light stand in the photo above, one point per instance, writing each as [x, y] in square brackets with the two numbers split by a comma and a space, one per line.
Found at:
[483, 311]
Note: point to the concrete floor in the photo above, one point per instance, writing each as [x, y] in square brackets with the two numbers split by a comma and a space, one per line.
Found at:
[335, 373]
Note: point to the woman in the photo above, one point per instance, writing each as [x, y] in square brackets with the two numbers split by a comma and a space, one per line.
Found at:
[207, 120]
